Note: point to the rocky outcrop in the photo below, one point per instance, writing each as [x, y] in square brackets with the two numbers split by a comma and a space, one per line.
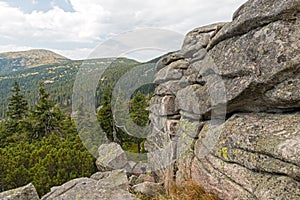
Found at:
[102, 185]
[114, 157]
[27, 192]
[227, 105]
[116, 179]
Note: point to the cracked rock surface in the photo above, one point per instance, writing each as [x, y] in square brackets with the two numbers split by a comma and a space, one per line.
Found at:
[228, 103]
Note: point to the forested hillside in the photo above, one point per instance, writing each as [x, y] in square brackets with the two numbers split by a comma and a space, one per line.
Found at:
[58, 78]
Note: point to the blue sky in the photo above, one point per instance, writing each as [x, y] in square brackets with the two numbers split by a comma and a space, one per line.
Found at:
[74, 28]
[42, 5]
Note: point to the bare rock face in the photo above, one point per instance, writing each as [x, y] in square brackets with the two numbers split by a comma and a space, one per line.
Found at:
[256, 154]
[228, 105]
[27, 192]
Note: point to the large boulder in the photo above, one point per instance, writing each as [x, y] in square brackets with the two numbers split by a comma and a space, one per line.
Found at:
[111, 156]
[256, 155]
[27, 192]
[105, 186]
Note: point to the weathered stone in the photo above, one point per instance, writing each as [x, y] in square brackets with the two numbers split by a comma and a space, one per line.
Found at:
[196, 101]
[171, 87]
[114, 186]
[254, 14]
[156, 140]
[167, 60]
[149, 189]
[141, 168]
[259, 67]
[179, 64]
[111, 156]
[184, 164]
[157, 121]
[167, 74]
[250, 65]
[164, 106]
[27, 192]
[134, 180]
[189, 128]
[200, 36]
[112, 179]
[286, 92]
[259, 153]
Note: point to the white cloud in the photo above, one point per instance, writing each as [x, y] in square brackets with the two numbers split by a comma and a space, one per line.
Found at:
[95, 20]
[75, 54]
[11, 47]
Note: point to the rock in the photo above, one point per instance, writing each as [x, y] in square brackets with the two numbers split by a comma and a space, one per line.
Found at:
[167, 74]
[105, 186]
[259, 68]
[233, 116]
[113, 179]
[168, 59]
[27, 192]
[197, 102]
[179, 64]
[256, 155]
[111, 156]
[149, 189]
[184, 167]
[134, 180]
[164, 106]
[199, 38]
[254, 14]
[141, 168]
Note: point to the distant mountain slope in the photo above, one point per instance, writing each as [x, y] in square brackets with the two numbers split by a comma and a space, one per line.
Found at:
[14, 61]
[57, 72]
[58, 77]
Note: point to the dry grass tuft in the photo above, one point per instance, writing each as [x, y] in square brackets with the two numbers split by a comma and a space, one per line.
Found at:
[190, 190]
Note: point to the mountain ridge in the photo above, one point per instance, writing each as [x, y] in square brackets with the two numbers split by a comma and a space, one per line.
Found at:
[18, 60]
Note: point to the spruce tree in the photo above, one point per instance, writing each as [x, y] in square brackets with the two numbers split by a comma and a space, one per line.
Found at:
[16, 113]
[44, 118]
[18, 105]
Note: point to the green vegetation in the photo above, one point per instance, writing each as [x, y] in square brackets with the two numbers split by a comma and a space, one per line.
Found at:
[40, 145]
[38, 139]
[138, 114]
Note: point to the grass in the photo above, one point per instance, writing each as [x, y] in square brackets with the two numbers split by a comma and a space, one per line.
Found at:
[190, 190]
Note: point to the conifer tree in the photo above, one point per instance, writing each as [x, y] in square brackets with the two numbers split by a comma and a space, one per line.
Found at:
[18, 105]
[45, 117]
[16, 113]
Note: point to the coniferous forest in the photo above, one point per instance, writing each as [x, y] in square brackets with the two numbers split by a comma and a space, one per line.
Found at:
[39, 142]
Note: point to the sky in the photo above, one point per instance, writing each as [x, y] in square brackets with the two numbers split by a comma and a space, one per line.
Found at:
[73, 28]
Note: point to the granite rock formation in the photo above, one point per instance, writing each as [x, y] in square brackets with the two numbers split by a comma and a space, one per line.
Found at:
[227, 105]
